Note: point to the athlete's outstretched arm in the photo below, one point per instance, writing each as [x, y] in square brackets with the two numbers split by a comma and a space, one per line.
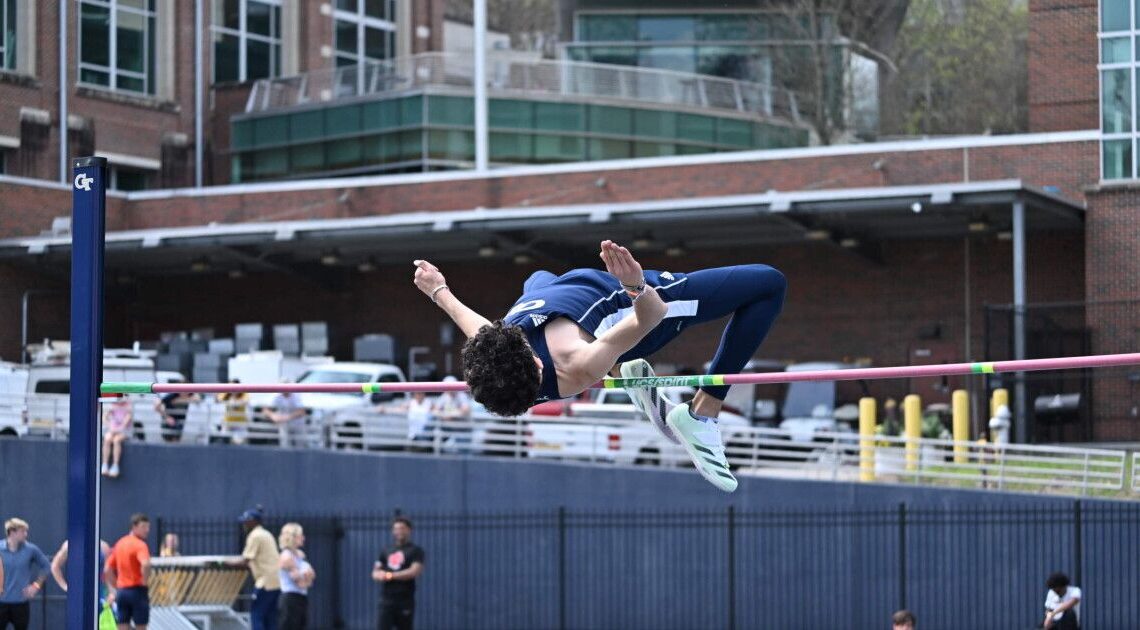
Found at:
[596, 359]
[429, 280]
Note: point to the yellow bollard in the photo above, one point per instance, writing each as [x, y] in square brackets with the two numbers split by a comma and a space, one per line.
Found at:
[867, 417]
[912, 427]
[960, 406]
[1000, 397]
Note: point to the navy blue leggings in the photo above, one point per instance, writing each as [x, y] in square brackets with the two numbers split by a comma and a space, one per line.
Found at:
[752, 294]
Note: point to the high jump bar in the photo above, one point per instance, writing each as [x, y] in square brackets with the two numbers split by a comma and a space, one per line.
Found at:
[853, 374]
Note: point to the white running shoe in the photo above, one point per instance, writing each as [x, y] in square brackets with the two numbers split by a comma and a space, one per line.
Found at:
[646, 399]
[701, 439]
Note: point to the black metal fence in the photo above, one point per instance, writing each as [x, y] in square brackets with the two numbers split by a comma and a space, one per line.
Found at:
[1095, 404]
[955, 567]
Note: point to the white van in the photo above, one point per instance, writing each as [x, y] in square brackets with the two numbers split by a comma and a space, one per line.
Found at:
[35, 399]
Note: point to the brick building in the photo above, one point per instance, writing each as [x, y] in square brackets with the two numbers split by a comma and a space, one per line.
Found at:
[870, 278]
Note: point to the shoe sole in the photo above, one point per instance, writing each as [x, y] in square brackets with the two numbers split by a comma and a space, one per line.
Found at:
[700, 463]
[647, 401]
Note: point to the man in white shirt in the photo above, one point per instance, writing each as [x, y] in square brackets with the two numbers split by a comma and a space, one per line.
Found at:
[1062, 604]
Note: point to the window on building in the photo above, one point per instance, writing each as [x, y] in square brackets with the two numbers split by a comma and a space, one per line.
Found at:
[116, 44]
[247, 39]
[7, 34]
[1119, 30]
[364, 30]
[126, 180]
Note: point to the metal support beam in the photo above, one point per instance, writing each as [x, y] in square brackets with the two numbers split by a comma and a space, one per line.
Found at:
[1021, 431]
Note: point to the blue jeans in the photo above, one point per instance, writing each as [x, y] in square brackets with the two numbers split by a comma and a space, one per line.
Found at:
[263, 613]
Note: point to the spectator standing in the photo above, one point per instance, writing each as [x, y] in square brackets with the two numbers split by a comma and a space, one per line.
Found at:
[296, 575]
[453, 411]
[288, 414]
[169, 548]
[117, 427]
[127, 573]
[903, 620]
[1062, 604]
[236, 416]
[59, 566]
[261, 556]
[173, 409]
[24, 569]
[397, 569]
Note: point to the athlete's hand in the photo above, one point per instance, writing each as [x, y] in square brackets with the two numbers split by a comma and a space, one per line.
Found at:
[428, 277]
[622, 264]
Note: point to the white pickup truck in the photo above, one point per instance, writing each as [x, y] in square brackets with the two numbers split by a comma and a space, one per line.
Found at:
[609, 428]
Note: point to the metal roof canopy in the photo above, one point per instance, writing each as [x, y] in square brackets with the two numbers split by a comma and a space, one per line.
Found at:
[853, 216]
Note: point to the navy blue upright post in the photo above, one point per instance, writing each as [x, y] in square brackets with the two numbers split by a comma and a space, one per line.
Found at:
[88, 209]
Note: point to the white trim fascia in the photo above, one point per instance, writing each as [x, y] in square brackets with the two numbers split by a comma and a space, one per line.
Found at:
[600, 166]
[288, 230]
[132, 161]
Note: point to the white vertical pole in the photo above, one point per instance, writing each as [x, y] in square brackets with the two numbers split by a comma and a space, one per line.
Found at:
[64, 161]
[1021, 431]
[198, 93]
[480, 80]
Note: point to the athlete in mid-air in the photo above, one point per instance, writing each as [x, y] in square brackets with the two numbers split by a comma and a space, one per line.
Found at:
[568, 332]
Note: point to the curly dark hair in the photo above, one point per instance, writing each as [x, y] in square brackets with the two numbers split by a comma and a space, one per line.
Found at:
[498, 365]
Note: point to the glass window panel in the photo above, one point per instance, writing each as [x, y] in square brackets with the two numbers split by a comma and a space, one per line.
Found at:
[257, 56]
[127, 180]
[559, 148]
[347, 5]
[380, 115]
[613, 55]
[375, 8]
[511, 147]
[1117, 159]
[451, 110]
[226, 57]
[271, 130]
[653, 149]
[375, 43]
[655, 124]
[307, 158]
[270, 163]
[259, 18]
[94, 77]
[411, 146]
[606, 149]
[342, 120]
[1116, 101]
[673, 28]
[130, 42]
[411, 111]
[342, 153]
[1114, 15]
[308, 125]
[737, 133]
[227, 13]
[611, 120]
[514, 114]
[133, 84]
[346, 36]
[451, 144]
[242, 134]
[722, 27]
[677, 58]
[95, 29]
[607, 28]
[695, 127]
[559, 116]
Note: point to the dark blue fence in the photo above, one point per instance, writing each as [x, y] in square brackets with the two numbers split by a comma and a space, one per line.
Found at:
[955, 567]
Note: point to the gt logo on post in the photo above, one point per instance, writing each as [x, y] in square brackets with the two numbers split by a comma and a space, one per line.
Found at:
[83, 182]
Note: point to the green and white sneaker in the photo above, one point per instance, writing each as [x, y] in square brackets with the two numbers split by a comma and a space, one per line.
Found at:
[646, 399]
[701, 439]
